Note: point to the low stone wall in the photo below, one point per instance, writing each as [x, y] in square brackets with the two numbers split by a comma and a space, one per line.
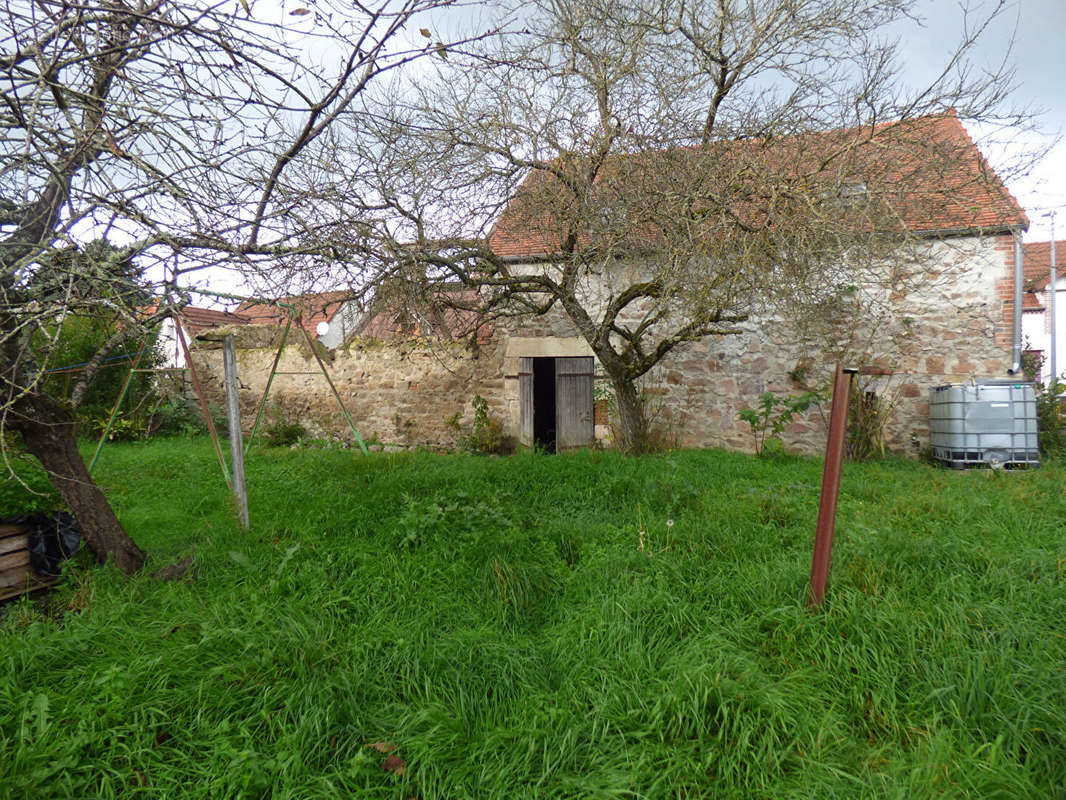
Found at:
[398, 392]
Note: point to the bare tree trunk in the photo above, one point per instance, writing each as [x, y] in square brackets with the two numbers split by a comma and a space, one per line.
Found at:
[48, 433]
[632, 422]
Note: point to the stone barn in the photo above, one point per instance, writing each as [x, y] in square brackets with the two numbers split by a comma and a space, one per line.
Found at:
[414, 384]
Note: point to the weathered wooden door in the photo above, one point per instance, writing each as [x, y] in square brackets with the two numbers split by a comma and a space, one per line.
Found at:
[574, 424]
[525, 401]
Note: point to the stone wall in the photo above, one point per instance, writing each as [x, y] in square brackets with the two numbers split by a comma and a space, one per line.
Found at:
[947, 328]
[944, 323]
[398, 392]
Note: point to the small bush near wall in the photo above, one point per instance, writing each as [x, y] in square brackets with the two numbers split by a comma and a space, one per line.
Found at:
[283, 433]
[1050, 406]
[663, 427]
[177, 415]
[869, 412]
[1051, 419]
[486, 434]
[773, 414]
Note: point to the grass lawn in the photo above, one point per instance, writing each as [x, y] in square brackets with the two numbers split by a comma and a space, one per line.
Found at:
[549, 627]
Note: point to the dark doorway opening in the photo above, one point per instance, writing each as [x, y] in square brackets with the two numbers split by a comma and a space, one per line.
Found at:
[544, 433]
[555, 402]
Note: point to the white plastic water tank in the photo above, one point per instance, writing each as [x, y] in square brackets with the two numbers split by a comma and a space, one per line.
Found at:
[991, 423]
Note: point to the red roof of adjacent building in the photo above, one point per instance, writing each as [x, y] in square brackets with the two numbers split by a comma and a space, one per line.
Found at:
[1030, 302]
[311, 309]
[451, 313]
[928, 172]
[196, 320]
[1037, 263]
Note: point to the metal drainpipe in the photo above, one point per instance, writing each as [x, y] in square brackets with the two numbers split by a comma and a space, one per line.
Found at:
[1052, 281]
[1016, 362]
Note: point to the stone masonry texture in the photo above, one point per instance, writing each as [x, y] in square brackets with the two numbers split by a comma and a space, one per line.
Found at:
[952, 327]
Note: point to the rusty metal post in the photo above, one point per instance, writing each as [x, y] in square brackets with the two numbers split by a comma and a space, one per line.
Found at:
[203, 401]
[827, 504]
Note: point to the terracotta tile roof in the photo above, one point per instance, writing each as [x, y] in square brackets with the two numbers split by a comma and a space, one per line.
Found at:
[196, 319]
[386, 320]
[1031, 303]
[399, 317]
[927, 173]
[311, 309]
[1037, 262]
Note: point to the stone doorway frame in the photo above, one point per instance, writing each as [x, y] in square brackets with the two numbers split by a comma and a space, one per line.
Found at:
[517, 347]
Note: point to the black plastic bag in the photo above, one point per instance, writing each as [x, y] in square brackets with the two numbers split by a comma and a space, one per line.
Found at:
[52, 538]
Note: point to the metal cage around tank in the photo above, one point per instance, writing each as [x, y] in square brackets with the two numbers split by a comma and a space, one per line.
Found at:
[989, 423]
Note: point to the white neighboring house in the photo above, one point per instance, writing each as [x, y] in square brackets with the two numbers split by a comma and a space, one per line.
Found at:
[328, 317]
[193, 322]
[1036, 310]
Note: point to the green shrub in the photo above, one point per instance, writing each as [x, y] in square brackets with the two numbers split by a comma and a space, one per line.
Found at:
[172, 415]
[774, 412]
[283, 433]
[25, 488]
[486, 435]
[79, 338]
[1051, 418]
[176, 415]
[122, 429]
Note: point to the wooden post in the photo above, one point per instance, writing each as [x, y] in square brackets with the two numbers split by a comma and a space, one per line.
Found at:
[233, 415]
[827, 504]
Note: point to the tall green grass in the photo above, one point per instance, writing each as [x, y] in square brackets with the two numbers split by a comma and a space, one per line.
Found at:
[543, 627]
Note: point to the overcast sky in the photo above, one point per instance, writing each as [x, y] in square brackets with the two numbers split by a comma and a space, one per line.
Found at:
[1031, 36]
[1039, 56]
[1037, 29]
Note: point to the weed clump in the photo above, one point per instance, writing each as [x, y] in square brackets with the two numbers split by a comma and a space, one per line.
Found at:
[485, 435]
[283, 433]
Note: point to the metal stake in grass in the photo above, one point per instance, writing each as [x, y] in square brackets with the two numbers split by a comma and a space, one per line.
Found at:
[233, 412]
[827, 503]
[118, 404]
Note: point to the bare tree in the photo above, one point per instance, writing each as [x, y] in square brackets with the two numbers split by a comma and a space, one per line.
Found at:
[661, 170]
[190, 135]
